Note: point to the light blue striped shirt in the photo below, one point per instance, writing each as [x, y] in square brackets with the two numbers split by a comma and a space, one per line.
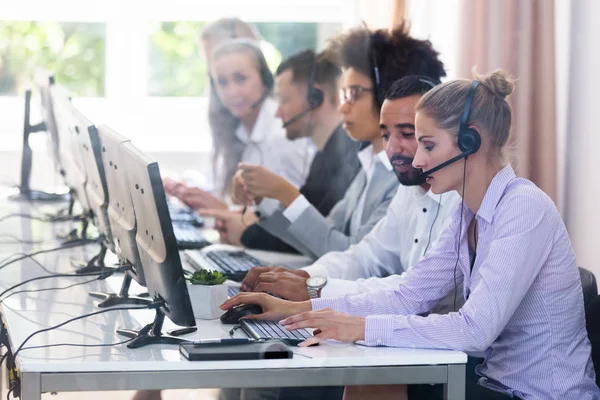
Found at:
[524, 305]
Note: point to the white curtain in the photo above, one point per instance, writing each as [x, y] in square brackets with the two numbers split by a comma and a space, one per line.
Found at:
[582, 179]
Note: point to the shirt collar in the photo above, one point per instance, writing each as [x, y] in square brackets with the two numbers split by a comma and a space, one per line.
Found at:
[494, 193]
[261, 129]
[383, 158]
[365, 156]
[422, 193]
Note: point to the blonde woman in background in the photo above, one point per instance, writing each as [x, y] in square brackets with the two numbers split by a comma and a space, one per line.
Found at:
[241, 116]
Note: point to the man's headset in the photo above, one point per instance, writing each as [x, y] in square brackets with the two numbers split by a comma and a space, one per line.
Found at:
[314, 97]
[469, 139]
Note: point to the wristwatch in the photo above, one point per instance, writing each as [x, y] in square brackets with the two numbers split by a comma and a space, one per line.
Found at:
[314, 284]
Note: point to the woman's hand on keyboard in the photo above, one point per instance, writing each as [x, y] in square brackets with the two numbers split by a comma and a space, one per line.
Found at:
[273, 308]
[328, 324]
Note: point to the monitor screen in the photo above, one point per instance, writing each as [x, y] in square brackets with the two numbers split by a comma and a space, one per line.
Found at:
[155, 238]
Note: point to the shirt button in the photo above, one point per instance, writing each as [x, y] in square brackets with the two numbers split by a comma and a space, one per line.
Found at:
[416, 240]
[424, 210]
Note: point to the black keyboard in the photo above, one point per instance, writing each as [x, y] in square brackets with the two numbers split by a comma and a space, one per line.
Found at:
[189, 237]
[258, 329]
[182, 214]
[233, 264]
[232, 291]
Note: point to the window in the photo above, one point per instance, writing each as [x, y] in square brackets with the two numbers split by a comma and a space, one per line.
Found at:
[176, 66]
[139, 69]
[73, 51]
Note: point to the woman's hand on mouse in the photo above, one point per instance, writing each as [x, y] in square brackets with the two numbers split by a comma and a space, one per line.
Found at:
[274, 309]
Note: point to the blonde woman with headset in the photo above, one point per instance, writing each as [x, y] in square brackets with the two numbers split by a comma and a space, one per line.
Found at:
[507, 245]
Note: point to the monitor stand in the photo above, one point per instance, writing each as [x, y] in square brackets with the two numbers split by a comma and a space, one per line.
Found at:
[25, 191]
[151, 334]
[123, 297]
[96, 264]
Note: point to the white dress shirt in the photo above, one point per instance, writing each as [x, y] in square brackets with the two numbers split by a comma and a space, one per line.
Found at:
[398, 241]
[268, 146]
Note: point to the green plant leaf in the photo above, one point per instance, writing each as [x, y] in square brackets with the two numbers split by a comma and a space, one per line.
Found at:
[209, 278]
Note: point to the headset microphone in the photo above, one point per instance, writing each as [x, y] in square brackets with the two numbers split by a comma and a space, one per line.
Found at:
[296, 117]
[464, 154]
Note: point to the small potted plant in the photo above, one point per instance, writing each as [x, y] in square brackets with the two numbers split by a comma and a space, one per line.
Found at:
[207, 293]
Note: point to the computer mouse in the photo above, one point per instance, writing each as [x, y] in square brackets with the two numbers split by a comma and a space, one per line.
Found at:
[232, 316]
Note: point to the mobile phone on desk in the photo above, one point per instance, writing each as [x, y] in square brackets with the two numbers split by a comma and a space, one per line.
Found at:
[239, 351]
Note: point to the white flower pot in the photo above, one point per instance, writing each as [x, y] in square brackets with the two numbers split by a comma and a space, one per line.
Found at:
[206, 300]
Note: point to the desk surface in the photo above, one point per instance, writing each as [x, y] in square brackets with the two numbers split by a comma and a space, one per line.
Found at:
[25, 313]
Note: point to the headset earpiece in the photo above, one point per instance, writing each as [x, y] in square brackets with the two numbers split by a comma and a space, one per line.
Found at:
[469, 139]
[314, 95]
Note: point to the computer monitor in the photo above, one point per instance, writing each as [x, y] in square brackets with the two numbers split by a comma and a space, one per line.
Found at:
[87, 144]
[69, 155]
[122, 219]
[43, 80]
[158, 249]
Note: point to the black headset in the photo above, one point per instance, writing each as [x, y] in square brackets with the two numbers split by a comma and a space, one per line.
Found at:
[377, 88]
[426, 80]
[469, 139]
[314, 95]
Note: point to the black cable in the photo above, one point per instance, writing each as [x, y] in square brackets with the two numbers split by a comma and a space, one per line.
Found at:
[76, 345]
[462, 206]
[39, 264]
[15, 239]
[41, 219]
[43, 251]
[153, 305]
[103, 274]
[49, 289]
[432, 224]
[9, 393]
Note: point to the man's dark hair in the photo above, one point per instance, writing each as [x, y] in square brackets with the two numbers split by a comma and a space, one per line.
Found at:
[326, 72]
[395, 53]
[409, 86]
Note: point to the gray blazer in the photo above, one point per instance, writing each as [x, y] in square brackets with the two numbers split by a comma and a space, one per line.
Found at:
[315, 235]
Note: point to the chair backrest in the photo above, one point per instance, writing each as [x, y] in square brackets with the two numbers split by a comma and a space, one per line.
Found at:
[592, 321]
[589, 286]
[591, 301]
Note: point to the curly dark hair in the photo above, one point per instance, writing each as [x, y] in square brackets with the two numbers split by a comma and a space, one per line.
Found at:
[395, 54]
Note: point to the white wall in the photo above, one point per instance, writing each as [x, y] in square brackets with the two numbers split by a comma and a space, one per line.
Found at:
[582, 182]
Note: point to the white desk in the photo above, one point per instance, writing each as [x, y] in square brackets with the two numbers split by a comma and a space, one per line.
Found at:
[59, 369]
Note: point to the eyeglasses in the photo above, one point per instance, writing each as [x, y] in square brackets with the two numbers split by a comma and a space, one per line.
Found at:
[351, 94]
